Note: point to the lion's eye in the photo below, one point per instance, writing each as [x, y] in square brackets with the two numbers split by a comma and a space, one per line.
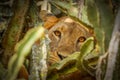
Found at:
[81, 39]
[57, 33]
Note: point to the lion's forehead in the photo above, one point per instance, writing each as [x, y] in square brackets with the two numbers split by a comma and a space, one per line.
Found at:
[69, 29]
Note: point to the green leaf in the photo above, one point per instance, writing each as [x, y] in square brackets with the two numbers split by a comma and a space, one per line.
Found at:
[63, 67]
[94, 19]
[22, 49]
[86, 49]
[66, 7]
[106, 20]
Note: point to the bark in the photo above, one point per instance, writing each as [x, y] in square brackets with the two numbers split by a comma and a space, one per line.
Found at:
[113, 49]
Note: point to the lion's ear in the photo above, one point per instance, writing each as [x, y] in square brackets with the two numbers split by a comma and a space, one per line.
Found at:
[50, 21]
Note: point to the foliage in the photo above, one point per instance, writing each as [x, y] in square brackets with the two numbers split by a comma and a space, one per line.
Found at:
[22, 49]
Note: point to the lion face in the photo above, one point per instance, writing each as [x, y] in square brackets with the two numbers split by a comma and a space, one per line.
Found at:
[66, 37]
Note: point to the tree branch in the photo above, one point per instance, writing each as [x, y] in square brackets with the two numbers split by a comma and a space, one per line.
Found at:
[113, 49]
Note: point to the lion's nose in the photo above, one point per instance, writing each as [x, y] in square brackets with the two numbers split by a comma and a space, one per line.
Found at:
[61, 56]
